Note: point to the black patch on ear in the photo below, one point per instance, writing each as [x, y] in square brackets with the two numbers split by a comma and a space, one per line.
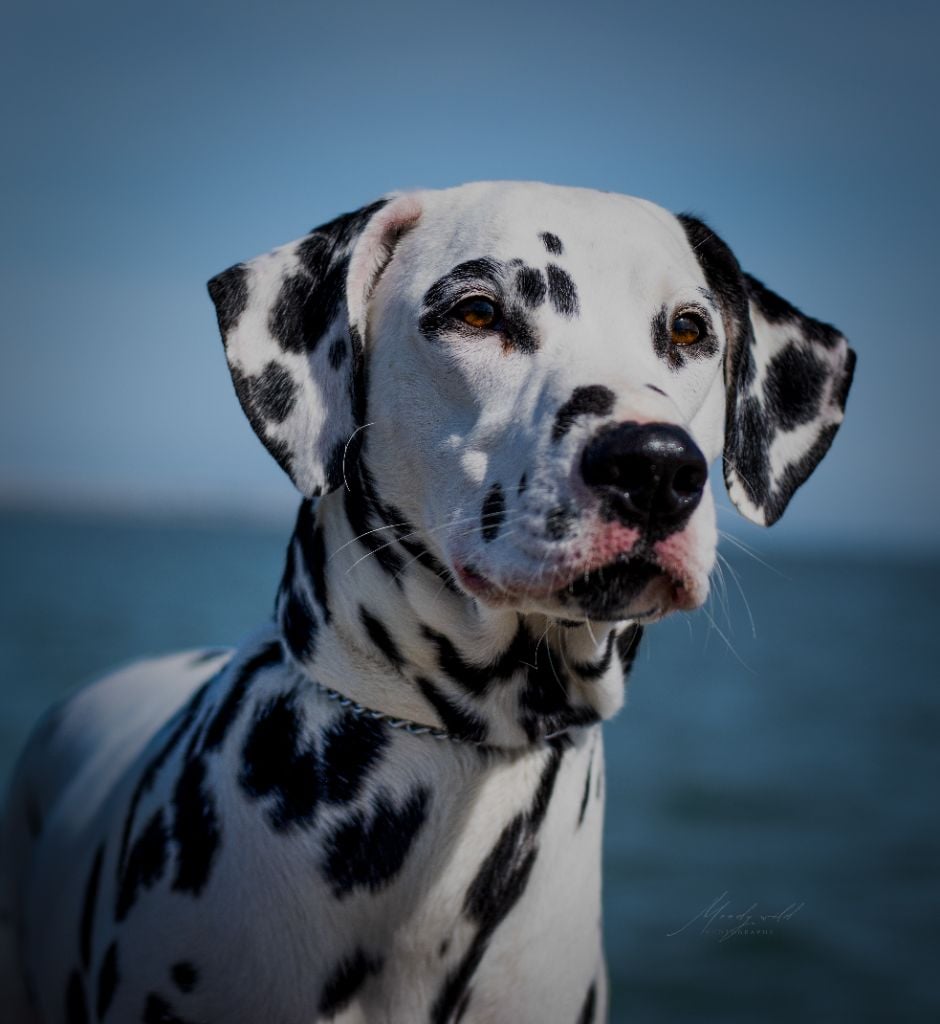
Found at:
[628, 643]
[229, 294]
[274, 392]
[108, 978]
[562, 291]
[346, 980]
[455, 719]
[776, 310]
[552, 243]
[196, 827]
[530, 284]
[276, 764]
[493, 513]
[747, 438]
[586, 1016]
[352, 747]
[367, 853]
[793, 387]
[339, 350]
[76, 1009]
[185, 976]
[145, 865]
[558, 522]
[88, 908]
[381, 637]
[593, 400]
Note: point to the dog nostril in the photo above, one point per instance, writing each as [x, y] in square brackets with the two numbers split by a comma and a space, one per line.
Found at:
[647, 473]
[689, 480]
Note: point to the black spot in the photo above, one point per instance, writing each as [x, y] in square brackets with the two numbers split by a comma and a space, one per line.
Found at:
[309, 535]
[455, 719]
[407, 536]
[268, 656]
[352, 747]
[793, 387]
[558, 522]
[746, 449]
[360, 505]
[196, 827]
[145, 865]
[158, 1011]
[229, 293]
[381, 637]
[444, 946]
[88, 908]
[497, 887]
[552, 243]
[586, 1016]
[593, 400]
[298, 625]
[76, 1009]
[522, 485]
[108, 978]
[185, 976]
[562, 291]
[462, 1008]
[338, 352]
[476, 679]
[345, 981]
[178, 726]
[369, 852]
[273, 392]
[544, 705]
[628, 643]
[493, 513]
[530, 284]
[582, 810]
[594, 670]
[275, 763]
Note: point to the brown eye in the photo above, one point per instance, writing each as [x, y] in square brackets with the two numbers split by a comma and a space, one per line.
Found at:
[688, 328]
[479, 313]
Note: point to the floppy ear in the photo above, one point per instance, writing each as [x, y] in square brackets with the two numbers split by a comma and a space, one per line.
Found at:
[293, 326]
[787, 379]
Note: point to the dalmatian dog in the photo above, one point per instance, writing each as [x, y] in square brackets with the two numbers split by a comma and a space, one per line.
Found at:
[499, 403]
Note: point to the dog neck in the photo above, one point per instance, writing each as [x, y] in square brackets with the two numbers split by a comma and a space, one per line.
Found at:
[368, 612]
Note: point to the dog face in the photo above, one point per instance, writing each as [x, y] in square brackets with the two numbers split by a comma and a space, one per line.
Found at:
[537, 379]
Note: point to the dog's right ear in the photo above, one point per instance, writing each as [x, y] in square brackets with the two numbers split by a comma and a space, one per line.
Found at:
[292, 322]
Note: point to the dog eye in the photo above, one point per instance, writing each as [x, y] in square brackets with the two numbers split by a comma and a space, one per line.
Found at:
[688, 328]
[479, 313]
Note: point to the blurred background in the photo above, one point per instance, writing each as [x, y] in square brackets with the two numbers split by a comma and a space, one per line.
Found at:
[778, 758]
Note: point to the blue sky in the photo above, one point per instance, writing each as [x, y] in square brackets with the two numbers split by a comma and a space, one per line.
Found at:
[149, 146]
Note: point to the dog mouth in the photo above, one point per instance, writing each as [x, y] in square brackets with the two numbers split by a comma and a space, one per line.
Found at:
[608, 589]
[634, 587]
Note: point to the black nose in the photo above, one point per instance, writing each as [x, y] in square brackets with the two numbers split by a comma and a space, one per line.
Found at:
[650, 474]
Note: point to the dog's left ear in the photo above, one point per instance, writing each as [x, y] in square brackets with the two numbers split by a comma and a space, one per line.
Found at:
[293, 326]
[787, 378]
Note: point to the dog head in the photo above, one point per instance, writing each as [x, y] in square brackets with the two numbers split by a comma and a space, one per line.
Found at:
[537, 379]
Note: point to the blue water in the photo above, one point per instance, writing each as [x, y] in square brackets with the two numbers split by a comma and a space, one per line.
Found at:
[791, 776]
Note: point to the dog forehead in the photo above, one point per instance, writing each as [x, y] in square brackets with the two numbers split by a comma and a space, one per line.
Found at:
[602, 234]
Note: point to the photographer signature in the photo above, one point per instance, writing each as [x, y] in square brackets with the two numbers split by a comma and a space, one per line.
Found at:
[728, 923]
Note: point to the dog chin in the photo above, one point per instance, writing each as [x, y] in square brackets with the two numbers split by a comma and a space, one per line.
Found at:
[628, 588]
